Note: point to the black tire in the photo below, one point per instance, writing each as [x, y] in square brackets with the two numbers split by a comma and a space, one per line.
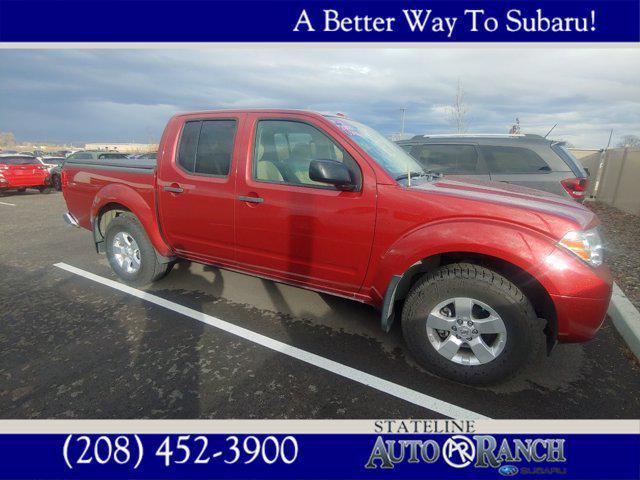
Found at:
[56, 182]
[150, 269]
[523, 329]
[21, 189]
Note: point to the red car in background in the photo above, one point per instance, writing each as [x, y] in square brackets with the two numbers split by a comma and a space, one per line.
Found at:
[19, 172]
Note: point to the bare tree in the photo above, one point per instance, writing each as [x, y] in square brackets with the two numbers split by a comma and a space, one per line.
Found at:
[629, 141]
[458, 111]
[7, 140]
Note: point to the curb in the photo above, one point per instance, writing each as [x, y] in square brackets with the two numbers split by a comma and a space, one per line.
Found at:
[626, 319]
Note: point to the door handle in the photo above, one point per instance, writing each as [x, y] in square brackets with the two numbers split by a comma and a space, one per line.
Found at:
[244, 198]
[173, 189]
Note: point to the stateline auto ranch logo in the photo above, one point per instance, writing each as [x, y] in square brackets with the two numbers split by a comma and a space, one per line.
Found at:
[459, 451]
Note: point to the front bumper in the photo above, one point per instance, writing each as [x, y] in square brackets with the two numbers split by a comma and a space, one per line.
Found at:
[580, 294]
[579, 319]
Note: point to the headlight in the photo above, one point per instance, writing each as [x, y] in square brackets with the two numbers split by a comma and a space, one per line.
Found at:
[587, 245]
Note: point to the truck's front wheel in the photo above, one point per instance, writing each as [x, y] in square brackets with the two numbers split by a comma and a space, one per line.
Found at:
[130, 252]
[470, 324]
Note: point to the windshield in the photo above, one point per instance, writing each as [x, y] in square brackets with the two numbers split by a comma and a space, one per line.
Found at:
[386, 153]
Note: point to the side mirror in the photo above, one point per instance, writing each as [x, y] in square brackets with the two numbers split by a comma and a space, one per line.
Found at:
[331, 172]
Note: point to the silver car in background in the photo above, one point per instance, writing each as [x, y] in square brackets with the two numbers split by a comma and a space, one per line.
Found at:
[528, 160]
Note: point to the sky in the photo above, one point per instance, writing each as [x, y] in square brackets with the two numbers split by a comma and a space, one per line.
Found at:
[122, 95]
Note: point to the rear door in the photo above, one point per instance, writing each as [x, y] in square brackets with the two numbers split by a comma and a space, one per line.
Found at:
[450, 159]
[196, 187]
[292, 228]
[520, 166]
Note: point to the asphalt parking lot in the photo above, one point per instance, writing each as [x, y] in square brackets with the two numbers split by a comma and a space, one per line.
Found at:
[71, 347]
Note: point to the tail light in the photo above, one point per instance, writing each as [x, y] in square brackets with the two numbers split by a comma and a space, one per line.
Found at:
[576, 187]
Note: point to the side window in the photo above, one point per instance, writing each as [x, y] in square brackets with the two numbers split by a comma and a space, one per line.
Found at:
[82, 156]
[284, 150]
[507, 160]
[189, 145]
[451, 159]
[206, 146]
[215, 147]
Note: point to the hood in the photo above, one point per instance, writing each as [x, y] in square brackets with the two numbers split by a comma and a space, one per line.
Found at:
[544, 211]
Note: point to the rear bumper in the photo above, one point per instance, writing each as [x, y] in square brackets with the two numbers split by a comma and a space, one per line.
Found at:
[10, 183]
[71, 220]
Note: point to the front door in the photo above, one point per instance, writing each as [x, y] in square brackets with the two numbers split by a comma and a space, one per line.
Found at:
[290, 227]
[196, 188]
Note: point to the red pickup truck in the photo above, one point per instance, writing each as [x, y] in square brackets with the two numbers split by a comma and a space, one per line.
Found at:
[475, 271]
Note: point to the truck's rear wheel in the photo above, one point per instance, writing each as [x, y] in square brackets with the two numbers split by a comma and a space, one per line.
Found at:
[130, 252]
[470, 324]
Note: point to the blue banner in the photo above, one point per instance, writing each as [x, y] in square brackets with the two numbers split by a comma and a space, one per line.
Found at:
[566, 456]
[319, 21]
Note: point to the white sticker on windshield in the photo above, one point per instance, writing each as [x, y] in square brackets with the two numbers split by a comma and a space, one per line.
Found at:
[350, 130]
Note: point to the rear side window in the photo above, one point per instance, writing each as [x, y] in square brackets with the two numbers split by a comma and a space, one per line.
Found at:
[189, 145]
[106, 156]
[448, 159]
[568, 157]
[508, 160]
[206, 147]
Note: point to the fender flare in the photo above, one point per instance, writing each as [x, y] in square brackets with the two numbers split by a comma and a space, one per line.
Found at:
[510, 243]
[133, 201]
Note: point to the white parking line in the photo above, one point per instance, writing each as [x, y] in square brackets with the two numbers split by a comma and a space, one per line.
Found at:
[377, 383]
[8, 204]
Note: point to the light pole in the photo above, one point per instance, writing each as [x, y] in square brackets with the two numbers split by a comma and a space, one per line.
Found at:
[403, 110]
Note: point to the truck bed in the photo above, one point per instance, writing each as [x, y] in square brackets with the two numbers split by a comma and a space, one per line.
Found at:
[88, 183]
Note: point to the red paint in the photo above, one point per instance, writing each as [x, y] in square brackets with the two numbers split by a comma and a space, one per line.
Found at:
[22, 176]
[347, 243]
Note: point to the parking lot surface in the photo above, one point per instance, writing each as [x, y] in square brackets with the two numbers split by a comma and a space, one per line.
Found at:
[71, 347]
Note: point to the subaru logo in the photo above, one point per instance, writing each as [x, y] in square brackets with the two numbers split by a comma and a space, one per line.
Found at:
[508, 470]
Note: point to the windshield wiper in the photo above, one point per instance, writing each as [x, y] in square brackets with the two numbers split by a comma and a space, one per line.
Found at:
[431, 175]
